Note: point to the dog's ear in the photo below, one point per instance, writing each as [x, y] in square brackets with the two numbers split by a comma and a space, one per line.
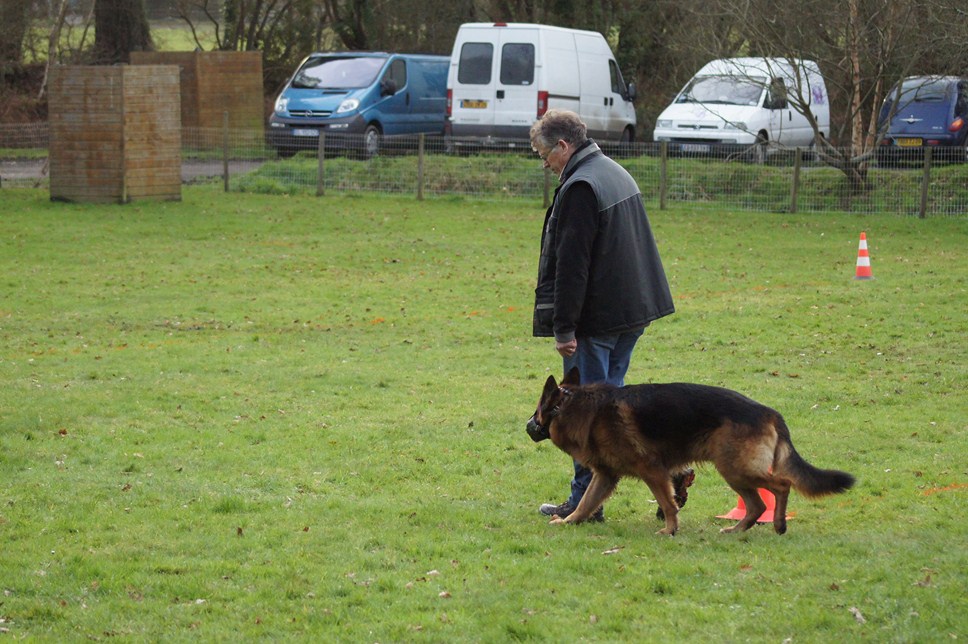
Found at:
[550, 387]
[573, 377]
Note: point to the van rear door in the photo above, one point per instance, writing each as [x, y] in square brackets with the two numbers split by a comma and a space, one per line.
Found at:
[494, 91]
[516, 104]
[472, 107]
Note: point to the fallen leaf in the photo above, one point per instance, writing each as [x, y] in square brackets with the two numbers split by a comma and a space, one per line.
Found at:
[444, 595]
[857, 615]
[612, 551]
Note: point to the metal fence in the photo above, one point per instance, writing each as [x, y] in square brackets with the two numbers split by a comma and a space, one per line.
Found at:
[786, 180]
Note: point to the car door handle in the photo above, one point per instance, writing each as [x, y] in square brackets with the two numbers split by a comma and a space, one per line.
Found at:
[500, 93]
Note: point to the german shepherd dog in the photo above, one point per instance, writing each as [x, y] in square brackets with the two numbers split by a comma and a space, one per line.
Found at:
[654, 431]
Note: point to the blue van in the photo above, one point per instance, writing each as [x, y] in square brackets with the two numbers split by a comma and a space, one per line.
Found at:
[366, 94]
[924, 112]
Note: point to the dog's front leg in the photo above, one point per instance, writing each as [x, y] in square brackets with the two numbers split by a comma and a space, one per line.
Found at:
[600, 488]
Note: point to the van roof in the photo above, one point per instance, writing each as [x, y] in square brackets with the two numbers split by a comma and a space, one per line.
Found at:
[375, 54]
[749, 64]
[523, 25]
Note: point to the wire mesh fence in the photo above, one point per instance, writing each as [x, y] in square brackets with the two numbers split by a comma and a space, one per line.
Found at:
[916, 181]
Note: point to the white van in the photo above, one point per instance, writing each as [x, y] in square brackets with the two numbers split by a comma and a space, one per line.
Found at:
[742, 102]
[504, 76]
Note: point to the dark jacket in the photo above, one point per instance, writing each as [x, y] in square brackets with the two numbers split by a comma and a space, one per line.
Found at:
[599, 272]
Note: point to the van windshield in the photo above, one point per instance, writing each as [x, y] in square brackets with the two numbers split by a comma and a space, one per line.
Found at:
[338, 72]
[723, 90]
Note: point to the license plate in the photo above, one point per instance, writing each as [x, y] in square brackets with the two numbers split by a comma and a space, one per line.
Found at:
[908, 143]
[304, 132]
[468, 104]
[701, 148]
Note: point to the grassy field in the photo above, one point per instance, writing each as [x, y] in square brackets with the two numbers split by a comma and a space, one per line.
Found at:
[249, 416]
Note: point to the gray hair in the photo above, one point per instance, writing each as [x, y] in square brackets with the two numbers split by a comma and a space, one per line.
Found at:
[557, 125]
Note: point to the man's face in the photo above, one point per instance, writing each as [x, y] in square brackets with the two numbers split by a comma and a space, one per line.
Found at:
[556, 157]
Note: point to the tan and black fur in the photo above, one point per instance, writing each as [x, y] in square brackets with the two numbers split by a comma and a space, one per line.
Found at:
[653, 431]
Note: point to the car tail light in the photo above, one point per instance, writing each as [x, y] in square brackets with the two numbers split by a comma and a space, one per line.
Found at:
[542, 103]
[956, 124]
[450, 103]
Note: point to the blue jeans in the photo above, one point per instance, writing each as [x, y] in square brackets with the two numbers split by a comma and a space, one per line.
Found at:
[603, 358]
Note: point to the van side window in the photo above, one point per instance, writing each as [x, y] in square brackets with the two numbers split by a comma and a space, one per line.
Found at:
[618, 83]
[517, 64]
[474, 67]
[776, 98]
[398, 73]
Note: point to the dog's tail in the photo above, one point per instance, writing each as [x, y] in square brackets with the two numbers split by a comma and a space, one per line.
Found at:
[809, 480]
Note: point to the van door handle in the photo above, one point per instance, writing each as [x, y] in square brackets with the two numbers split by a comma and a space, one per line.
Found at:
[500, 93]
[408, 99]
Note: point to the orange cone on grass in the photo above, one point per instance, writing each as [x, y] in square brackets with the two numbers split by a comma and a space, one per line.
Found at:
[739, 511]
[863, 260]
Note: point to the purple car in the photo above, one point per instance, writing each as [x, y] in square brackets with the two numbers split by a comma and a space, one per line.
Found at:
[924, 112]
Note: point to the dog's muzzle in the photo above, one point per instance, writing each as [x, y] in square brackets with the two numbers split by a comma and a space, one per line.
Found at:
[537, 432]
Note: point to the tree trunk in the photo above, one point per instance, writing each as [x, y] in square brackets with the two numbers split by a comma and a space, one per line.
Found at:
[13, 28]
[120, 27]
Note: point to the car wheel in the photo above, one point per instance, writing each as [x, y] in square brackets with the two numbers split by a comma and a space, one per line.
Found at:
[371, 141]
[286, 153]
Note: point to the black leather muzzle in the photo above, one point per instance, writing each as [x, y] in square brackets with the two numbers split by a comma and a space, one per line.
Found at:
[537, 432]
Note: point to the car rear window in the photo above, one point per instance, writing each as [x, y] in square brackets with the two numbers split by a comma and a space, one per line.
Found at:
[474, 67]
[517, 64]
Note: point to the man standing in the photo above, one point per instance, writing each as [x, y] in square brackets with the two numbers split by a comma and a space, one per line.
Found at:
[600, 279]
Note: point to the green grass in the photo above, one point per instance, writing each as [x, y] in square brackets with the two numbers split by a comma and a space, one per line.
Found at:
[246, 416]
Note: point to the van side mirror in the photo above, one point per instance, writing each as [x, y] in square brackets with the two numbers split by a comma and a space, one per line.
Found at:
[388, 87]
[632, 94]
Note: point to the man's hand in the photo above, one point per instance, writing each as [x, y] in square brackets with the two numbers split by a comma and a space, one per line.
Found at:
[566, 349]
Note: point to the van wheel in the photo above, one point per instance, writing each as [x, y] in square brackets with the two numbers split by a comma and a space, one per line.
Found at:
[758, 151]
[625, 142]
[371, 141]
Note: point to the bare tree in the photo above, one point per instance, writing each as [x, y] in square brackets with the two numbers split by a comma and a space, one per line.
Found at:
[862, 46]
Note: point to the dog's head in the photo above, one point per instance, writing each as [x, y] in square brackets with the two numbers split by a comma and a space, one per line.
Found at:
[549, 405]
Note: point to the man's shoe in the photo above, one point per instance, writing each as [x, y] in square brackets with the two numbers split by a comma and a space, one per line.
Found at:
[566, 508]
[680, 484]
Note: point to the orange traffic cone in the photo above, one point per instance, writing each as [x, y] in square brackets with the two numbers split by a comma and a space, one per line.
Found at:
[863, 260]
[739, 511]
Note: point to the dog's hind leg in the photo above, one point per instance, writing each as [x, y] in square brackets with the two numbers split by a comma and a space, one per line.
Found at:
[754, 509]
[781, 492]
[600, 488]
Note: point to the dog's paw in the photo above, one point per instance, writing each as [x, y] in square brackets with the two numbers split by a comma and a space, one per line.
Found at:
[667, 531]
[556, 520]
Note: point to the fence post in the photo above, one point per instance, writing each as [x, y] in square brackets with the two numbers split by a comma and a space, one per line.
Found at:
[795, 189]
[925, 180]
[663, 173]
[320, 158]
[225, 150]
[420, 167]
